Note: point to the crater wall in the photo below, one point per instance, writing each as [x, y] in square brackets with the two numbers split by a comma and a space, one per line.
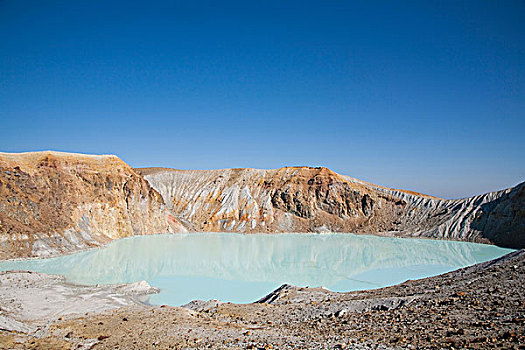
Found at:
[54, 203]
[305, 199]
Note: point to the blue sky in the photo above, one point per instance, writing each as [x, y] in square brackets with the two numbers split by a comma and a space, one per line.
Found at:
[421, 95]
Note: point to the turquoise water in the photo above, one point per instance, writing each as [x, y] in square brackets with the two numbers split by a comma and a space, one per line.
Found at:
[243, 268]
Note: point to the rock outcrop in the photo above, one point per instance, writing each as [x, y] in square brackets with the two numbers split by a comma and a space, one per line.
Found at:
[52, 203]
[496, 217]
[304, 199]
[293, 199]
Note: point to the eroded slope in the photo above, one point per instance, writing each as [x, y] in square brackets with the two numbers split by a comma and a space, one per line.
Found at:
[304, 199]
[53, 202]
[293, 199]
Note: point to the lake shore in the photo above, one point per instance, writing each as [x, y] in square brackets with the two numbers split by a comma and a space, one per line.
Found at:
[481, 306]
[242, 268]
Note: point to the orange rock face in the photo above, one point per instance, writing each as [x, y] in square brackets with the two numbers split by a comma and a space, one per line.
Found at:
[292, 199]
[53, 202]
[305, 199]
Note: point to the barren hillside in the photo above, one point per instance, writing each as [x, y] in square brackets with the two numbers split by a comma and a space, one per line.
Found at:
[52, 202]
[304, 199]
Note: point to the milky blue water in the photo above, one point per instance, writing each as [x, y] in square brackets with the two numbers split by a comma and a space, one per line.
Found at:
[243, 268]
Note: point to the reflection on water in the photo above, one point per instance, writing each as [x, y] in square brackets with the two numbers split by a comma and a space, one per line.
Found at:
[242, 268]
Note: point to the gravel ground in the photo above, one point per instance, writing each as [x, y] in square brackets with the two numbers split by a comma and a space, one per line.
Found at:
[481, 307]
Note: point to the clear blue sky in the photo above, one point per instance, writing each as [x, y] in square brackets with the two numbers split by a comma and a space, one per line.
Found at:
[422, 95]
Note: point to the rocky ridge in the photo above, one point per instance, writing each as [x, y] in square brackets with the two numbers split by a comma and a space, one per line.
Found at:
[54, 203]
[305, 199]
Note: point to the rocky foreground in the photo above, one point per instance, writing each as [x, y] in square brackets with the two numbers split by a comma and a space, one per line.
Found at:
[482, 306]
